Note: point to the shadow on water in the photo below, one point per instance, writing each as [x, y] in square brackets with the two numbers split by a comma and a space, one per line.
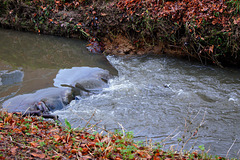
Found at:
[29, 62]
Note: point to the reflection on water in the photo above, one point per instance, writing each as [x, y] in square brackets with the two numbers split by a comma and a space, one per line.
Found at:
[29, 62]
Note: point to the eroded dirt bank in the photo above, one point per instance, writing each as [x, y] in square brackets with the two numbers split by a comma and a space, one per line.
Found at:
[207, 31]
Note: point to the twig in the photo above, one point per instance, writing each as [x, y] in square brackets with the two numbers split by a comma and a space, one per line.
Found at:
[95, 124]
[60, 154]
[105, 151]
[197, 128]
[25, 111]
[122, 129]
[238, 153]
[230, 148]
[90, 118]
[170, 135]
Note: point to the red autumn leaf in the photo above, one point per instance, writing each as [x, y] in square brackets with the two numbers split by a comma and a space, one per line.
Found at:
[84, 150]
[156, 158]
[73, 151]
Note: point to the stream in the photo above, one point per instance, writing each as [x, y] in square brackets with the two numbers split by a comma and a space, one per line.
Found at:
[152, 96]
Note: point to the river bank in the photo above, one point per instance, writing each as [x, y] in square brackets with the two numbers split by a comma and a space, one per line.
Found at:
[207, 31]
[33, 138]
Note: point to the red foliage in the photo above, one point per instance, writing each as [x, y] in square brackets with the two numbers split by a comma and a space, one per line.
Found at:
[180, 11]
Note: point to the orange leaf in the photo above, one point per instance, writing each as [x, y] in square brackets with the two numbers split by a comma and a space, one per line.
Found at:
[57, 137]
[211, 49]
[84, 149]
[16, 130]
[38, 155]
[33, 144]
[73, 151]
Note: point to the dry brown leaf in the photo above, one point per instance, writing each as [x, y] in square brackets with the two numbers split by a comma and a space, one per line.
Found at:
[33, 144]
[42, 155]
[57, 137]
[13, 150]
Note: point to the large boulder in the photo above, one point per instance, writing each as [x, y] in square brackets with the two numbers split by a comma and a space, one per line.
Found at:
[86, 79]
[53, 99]
[69, 83]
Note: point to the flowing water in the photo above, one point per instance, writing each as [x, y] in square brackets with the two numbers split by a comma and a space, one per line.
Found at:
[153, 96]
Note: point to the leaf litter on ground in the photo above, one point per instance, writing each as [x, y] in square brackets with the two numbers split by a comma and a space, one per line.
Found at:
[35, 138]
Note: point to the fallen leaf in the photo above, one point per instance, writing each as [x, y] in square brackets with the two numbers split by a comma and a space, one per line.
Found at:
[73, 151]
[103, 14]
[84, 149]
[86, 157]
[211, 49]
[33, 144]
[13, 150]
[42, 155]
[56, 137]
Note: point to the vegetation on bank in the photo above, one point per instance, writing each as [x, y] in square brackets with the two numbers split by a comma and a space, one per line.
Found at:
[35, 138]
[207, 30]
